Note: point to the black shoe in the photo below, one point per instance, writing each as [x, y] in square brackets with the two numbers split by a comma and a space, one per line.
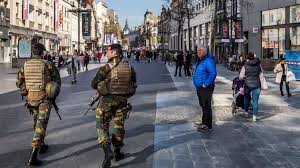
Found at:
[203, 128]
[33, 160]
[108, 155]
[44, 148]
[118, 154]
[175, 75]
[282, 94]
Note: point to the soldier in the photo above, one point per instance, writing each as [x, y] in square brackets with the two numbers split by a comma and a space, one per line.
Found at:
[40, 81]
[115, 83]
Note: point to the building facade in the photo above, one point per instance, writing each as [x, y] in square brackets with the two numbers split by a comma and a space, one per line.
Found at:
[101, 11]
[151, 30]
[31, 22]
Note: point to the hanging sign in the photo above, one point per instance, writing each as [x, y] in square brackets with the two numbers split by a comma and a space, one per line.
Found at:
[86, 26]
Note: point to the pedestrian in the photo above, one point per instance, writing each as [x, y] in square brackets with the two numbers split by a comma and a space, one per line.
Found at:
[149, 55]
[137, 55]
[167, 58]
[99, 56]
[71, 66]
[86, 61]
[42, 84]
[187, 63]
[115, 83]
[204, 81]
[81, 58]
[250, 72]
[179, 62]
[281, 70]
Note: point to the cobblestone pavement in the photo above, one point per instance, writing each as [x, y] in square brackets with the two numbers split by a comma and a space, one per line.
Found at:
[234, 142]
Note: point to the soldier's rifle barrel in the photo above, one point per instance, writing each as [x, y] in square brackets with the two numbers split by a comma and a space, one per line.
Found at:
[56, 109]
[94, 100]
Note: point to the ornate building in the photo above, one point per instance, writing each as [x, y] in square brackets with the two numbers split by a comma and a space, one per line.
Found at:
[151, 30]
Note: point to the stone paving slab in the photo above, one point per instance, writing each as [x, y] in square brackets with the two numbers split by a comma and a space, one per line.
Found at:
[235, 142]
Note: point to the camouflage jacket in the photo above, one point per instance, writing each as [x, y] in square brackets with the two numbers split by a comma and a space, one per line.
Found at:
[103, 73]
[54, 75]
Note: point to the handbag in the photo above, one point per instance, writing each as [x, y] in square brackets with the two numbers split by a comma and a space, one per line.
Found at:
[263, 81]
[290, 76]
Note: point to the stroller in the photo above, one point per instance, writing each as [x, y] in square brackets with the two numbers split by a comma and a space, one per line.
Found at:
[238, 94]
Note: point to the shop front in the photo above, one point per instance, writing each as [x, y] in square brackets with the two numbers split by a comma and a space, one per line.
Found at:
[21, 41]
[280, 32]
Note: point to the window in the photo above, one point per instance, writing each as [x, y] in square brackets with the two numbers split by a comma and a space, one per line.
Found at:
[273, 42]
[273, 17]
[295, 38]
[195, 31]
[295, 14]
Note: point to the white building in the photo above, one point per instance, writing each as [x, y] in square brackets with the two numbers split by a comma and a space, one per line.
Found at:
[31, 21]
[101, 11]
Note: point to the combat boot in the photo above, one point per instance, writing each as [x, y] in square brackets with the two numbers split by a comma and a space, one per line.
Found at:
[108, 155]
[118, 154]
[44, 148]
[34, 161]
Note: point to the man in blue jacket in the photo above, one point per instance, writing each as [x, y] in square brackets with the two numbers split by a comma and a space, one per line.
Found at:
[204, 81]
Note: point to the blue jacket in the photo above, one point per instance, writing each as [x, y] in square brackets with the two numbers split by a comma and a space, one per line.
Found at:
[205, 72]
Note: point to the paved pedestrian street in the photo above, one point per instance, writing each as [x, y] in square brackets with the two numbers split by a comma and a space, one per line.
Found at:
[160, 132]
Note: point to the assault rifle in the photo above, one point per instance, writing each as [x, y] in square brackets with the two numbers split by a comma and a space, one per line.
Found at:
[91, 104]
[127, 110]
[53, 103]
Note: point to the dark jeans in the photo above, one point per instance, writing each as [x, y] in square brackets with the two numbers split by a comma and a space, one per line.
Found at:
[205, 98]
[178, 66]
[187, 69]
[283, 79]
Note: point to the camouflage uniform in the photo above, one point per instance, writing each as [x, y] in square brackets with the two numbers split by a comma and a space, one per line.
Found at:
[40, 108]
[110, 106]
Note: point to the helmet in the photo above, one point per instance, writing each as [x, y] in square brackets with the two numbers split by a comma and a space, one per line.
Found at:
[52, 90]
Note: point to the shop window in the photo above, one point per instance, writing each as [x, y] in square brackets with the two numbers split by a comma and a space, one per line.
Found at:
[295, 14]
[273, 17]
[295, 38]
[273, 43]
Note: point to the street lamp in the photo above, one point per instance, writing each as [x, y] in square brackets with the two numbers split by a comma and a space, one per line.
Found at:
[79, 11]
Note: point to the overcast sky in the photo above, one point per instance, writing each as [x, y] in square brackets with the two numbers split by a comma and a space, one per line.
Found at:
[134, 10]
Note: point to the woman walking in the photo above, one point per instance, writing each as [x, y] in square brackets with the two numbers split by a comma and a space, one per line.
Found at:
[281, 70]
[250, 72]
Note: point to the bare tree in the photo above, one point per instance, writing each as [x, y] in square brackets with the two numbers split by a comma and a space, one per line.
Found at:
[177, 14]
[185, 10]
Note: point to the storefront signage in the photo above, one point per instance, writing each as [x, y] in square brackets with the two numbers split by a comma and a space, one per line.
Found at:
[225, 29]
[238, 29]
[255, 30]
[24, 48]
[86, 25]
[25, 9]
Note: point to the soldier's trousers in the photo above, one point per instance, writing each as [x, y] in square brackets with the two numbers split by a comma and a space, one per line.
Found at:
[41, 114]
[111, 107]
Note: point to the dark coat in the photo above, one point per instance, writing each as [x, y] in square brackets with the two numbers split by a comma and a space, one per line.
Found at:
[252, 71]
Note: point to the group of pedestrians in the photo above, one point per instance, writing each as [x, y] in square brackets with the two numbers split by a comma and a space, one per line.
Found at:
[181, 59]
[254, 82]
